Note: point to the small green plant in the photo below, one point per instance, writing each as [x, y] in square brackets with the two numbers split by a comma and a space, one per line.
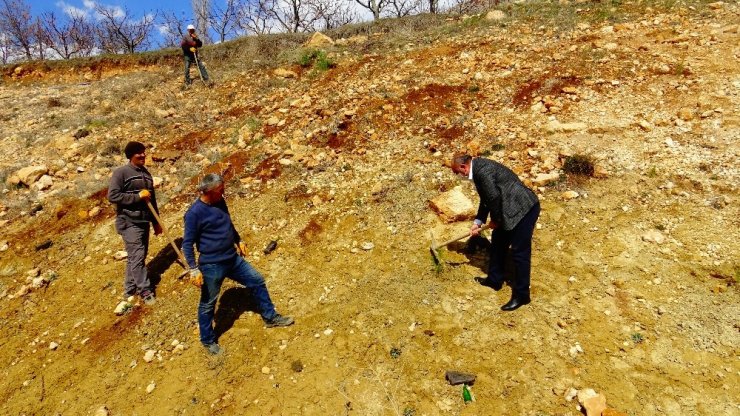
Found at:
[579, 165]
[253, 124]
[395, 352]
[497, 147]
[316, 58]
[97, 123]
[660, 227]
[652, 172]
[473, 89]
[637, 338]
[409, 411]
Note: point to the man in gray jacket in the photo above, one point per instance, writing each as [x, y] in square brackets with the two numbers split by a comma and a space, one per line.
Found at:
[131, 187]
[514, 210]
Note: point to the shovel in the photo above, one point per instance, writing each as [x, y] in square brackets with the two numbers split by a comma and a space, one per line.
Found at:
[181, 257]
[434, 247]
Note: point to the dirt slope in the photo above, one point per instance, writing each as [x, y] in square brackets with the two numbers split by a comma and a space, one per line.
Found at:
[634, 280]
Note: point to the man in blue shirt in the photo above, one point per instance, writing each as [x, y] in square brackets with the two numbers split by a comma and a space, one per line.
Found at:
[208, 226]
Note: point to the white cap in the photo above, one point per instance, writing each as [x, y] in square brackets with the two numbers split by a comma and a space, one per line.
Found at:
[191, 27]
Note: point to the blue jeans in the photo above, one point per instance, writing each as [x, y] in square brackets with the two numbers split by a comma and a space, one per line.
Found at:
[213, 277]
[520, 240]
[188, 62]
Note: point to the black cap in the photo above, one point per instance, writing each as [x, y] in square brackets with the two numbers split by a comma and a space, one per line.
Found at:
[133, 148]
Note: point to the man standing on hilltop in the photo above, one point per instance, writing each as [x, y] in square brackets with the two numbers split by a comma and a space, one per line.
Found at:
[208, 226]
[190, 44]
[131, 187]
[514, 210]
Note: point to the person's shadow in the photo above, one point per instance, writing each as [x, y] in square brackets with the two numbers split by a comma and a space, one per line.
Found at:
[161, 262]
[233, 303]
[476, 249]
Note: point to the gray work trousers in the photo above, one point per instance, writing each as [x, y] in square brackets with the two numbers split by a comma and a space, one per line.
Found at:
[136, 239]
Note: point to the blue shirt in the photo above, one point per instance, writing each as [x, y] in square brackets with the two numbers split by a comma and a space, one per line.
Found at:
[209, 227]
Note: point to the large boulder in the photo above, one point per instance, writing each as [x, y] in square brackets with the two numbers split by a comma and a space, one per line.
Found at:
[495, 15]
[453, 205]
[319, 39]
[31, 174]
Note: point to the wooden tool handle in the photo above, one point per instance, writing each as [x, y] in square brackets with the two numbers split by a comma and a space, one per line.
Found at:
[460, 237]
[166, 234]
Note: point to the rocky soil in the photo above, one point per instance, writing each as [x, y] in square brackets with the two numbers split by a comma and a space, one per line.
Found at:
[634, 269]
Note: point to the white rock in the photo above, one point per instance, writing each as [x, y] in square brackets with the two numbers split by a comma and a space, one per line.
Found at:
[120, 255]
[570, 394]
[38, 282]
[328, 331]
[453, 205]
[653, 236]
[367, 245]
[495, 15]
[585, 394]
[53, 345]
[265, 370]
[122, 307]
[150, 388]
[149, 355]
[102, 411]
[567, 195]
[44, 182]
[543, 179]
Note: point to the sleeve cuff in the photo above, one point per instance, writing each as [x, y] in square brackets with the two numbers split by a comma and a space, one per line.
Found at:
[477, 222]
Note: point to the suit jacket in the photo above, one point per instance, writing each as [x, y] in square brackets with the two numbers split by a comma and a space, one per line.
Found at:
[502, 194]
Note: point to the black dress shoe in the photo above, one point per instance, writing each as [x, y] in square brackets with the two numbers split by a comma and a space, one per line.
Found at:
[484, 281]
[515, 303]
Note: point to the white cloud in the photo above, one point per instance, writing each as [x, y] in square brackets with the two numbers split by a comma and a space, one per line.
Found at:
[72, 11]
[89, 4]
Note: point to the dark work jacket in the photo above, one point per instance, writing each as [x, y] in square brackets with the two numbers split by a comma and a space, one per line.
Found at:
[210, 229]
[502, 194]
[187, 43]
[123, 191]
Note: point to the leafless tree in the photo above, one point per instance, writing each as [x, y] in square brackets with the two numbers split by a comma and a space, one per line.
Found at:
[172, 28]
[38, 38]
[401, 8]
[293, 15]
[6, 48]
[119, 32]
[433, 6]
[255, 17]
[68, 36]
[375, 6]
[223, 20]
[333, 14]
[16, 22]
[202, 12]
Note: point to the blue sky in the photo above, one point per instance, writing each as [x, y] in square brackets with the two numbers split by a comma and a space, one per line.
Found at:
[137, 7]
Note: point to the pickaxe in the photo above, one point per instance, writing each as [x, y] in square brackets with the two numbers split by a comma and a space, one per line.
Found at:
[434, 247]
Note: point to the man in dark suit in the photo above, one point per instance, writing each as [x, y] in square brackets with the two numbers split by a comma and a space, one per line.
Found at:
[514, 210]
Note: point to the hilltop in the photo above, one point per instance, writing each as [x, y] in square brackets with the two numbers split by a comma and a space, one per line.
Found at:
[335, 152]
